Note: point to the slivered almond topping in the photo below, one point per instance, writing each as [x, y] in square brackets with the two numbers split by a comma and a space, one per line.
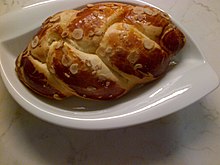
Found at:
[94, 72]
[59, 45]
[151, 12]
[91, 33]
[133, 57]
[138, 66]
[67, 75]
[88, 63]
[74, 68]
[89, 5]
[118, 49]
[138, 10]
[55, 19]
[102, 7]
[148, 44]
[107, 83]
[114, 7]
[66, 60]
[35, 42]
[108, 50]
[148, 11]
[95, 13]
[77, 34]
[90, 88]
[123, 35]
[56, 96]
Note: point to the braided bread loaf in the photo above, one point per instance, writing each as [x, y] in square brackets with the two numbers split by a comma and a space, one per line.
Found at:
[99, 52]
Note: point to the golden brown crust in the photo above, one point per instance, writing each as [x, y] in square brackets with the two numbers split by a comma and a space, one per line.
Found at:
[99, 52]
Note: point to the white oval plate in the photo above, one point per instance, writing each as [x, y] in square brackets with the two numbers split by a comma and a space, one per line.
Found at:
[186, 83]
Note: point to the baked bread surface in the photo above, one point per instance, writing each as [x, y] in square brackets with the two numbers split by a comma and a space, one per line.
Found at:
[99, 52]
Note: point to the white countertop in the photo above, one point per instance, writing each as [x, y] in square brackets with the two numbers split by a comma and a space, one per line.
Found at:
[190, 136]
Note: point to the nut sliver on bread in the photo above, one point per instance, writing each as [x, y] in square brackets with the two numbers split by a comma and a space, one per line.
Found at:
[99, 52]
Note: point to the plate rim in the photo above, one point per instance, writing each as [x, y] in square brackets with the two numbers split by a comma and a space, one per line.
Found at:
[92, 124]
